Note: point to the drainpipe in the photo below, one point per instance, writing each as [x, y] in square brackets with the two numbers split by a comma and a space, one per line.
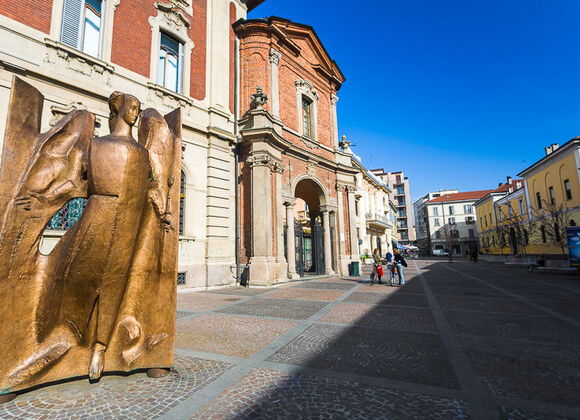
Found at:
[236, 160]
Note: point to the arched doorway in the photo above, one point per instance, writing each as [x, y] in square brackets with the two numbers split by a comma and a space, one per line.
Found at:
[311, 226]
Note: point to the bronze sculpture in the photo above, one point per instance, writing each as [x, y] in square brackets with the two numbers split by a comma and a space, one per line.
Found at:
[104, 298]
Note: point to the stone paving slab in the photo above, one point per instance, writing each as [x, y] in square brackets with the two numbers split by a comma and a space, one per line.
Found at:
[232, 336]
[510, 413]
[384, 288]
[536, 328]
[398, 299]
[382, 317]
[486, 292]
[237, 291]
[404, 356]
[306, 294]
[197, 302]
[277, 308]
[447, 345]
[486, 305]
[325, 285]
[270, 394]
[131, 397]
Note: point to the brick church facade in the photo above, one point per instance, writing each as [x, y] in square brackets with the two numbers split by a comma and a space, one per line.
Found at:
[289, 153]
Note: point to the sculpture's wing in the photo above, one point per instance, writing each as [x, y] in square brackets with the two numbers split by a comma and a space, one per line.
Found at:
[162, 136]
[57, 169]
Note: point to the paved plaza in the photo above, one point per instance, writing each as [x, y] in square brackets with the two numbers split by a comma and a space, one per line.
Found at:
[458, 341]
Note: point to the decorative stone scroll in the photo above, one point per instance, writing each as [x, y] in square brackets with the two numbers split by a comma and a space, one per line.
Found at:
[103, 300]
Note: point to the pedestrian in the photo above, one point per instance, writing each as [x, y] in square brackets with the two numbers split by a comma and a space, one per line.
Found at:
[468, 255]
[400, 262]
[474, 256]
[377, 266]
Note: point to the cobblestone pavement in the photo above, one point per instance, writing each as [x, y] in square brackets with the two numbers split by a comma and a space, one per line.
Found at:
[458, 341]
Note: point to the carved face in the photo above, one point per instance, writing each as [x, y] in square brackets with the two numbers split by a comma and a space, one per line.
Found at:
[131, 109]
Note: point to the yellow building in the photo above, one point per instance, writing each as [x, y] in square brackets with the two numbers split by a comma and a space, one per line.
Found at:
[529, 216]
[552, 187]
[500, 215]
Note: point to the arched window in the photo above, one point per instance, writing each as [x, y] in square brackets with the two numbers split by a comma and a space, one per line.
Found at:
[67, 215]
[181, 202]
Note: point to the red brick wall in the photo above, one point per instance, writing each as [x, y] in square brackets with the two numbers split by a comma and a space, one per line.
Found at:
[198, 34]
[132, 35]
[132, 40]
[33, 13]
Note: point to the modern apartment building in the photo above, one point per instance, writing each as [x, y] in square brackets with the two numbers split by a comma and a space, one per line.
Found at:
[452, 221]
[401, 194]
[422, 220]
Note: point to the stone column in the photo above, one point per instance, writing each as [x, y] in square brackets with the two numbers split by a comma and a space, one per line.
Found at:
[354, 249]
[327, 245]
[333, 101]
[275, 91]
[343, 261]
[290, 243]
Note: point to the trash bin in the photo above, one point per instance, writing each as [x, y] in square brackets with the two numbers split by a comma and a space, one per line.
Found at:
[354, 269]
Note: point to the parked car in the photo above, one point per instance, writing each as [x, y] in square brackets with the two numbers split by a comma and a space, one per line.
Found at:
[440, 253]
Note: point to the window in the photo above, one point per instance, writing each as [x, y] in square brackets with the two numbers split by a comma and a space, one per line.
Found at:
[485, 220]
[436, 222]
[567, 189]
[500, 214]
[170, 66]
[307, 117]
[539, 200]
[181, 203]
[356, 207]
[398, 178]
[469, 220]
[471, 233]
[543, 231]
[400, 190]
[402, 213]
[468, 209]
[67, 215]
[552, 196]
[438, 235]
[451, 220]
[526, 239]
[510, 210]
[454, 233]
[521, 206]
[82, 25]
[451, 210]
[181, 279]
[481, 221]
[435, 211]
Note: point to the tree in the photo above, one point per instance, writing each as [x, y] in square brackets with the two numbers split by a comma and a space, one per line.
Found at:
[553, 220]
[525, 229]
[449, 238]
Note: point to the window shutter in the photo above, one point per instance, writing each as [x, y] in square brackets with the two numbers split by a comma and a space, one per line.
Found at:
[71, 21]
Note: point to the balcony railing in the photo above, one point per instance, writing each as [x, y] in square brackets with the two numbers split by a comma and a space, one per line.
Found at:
[377, 219]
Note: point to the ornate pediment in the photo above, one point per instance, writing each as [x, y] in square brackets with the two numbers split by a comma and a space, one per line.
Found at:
[174, 13]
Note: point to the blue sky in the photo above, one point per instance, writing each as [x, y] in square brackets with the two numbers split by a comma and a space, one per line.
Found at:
[458, 94]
